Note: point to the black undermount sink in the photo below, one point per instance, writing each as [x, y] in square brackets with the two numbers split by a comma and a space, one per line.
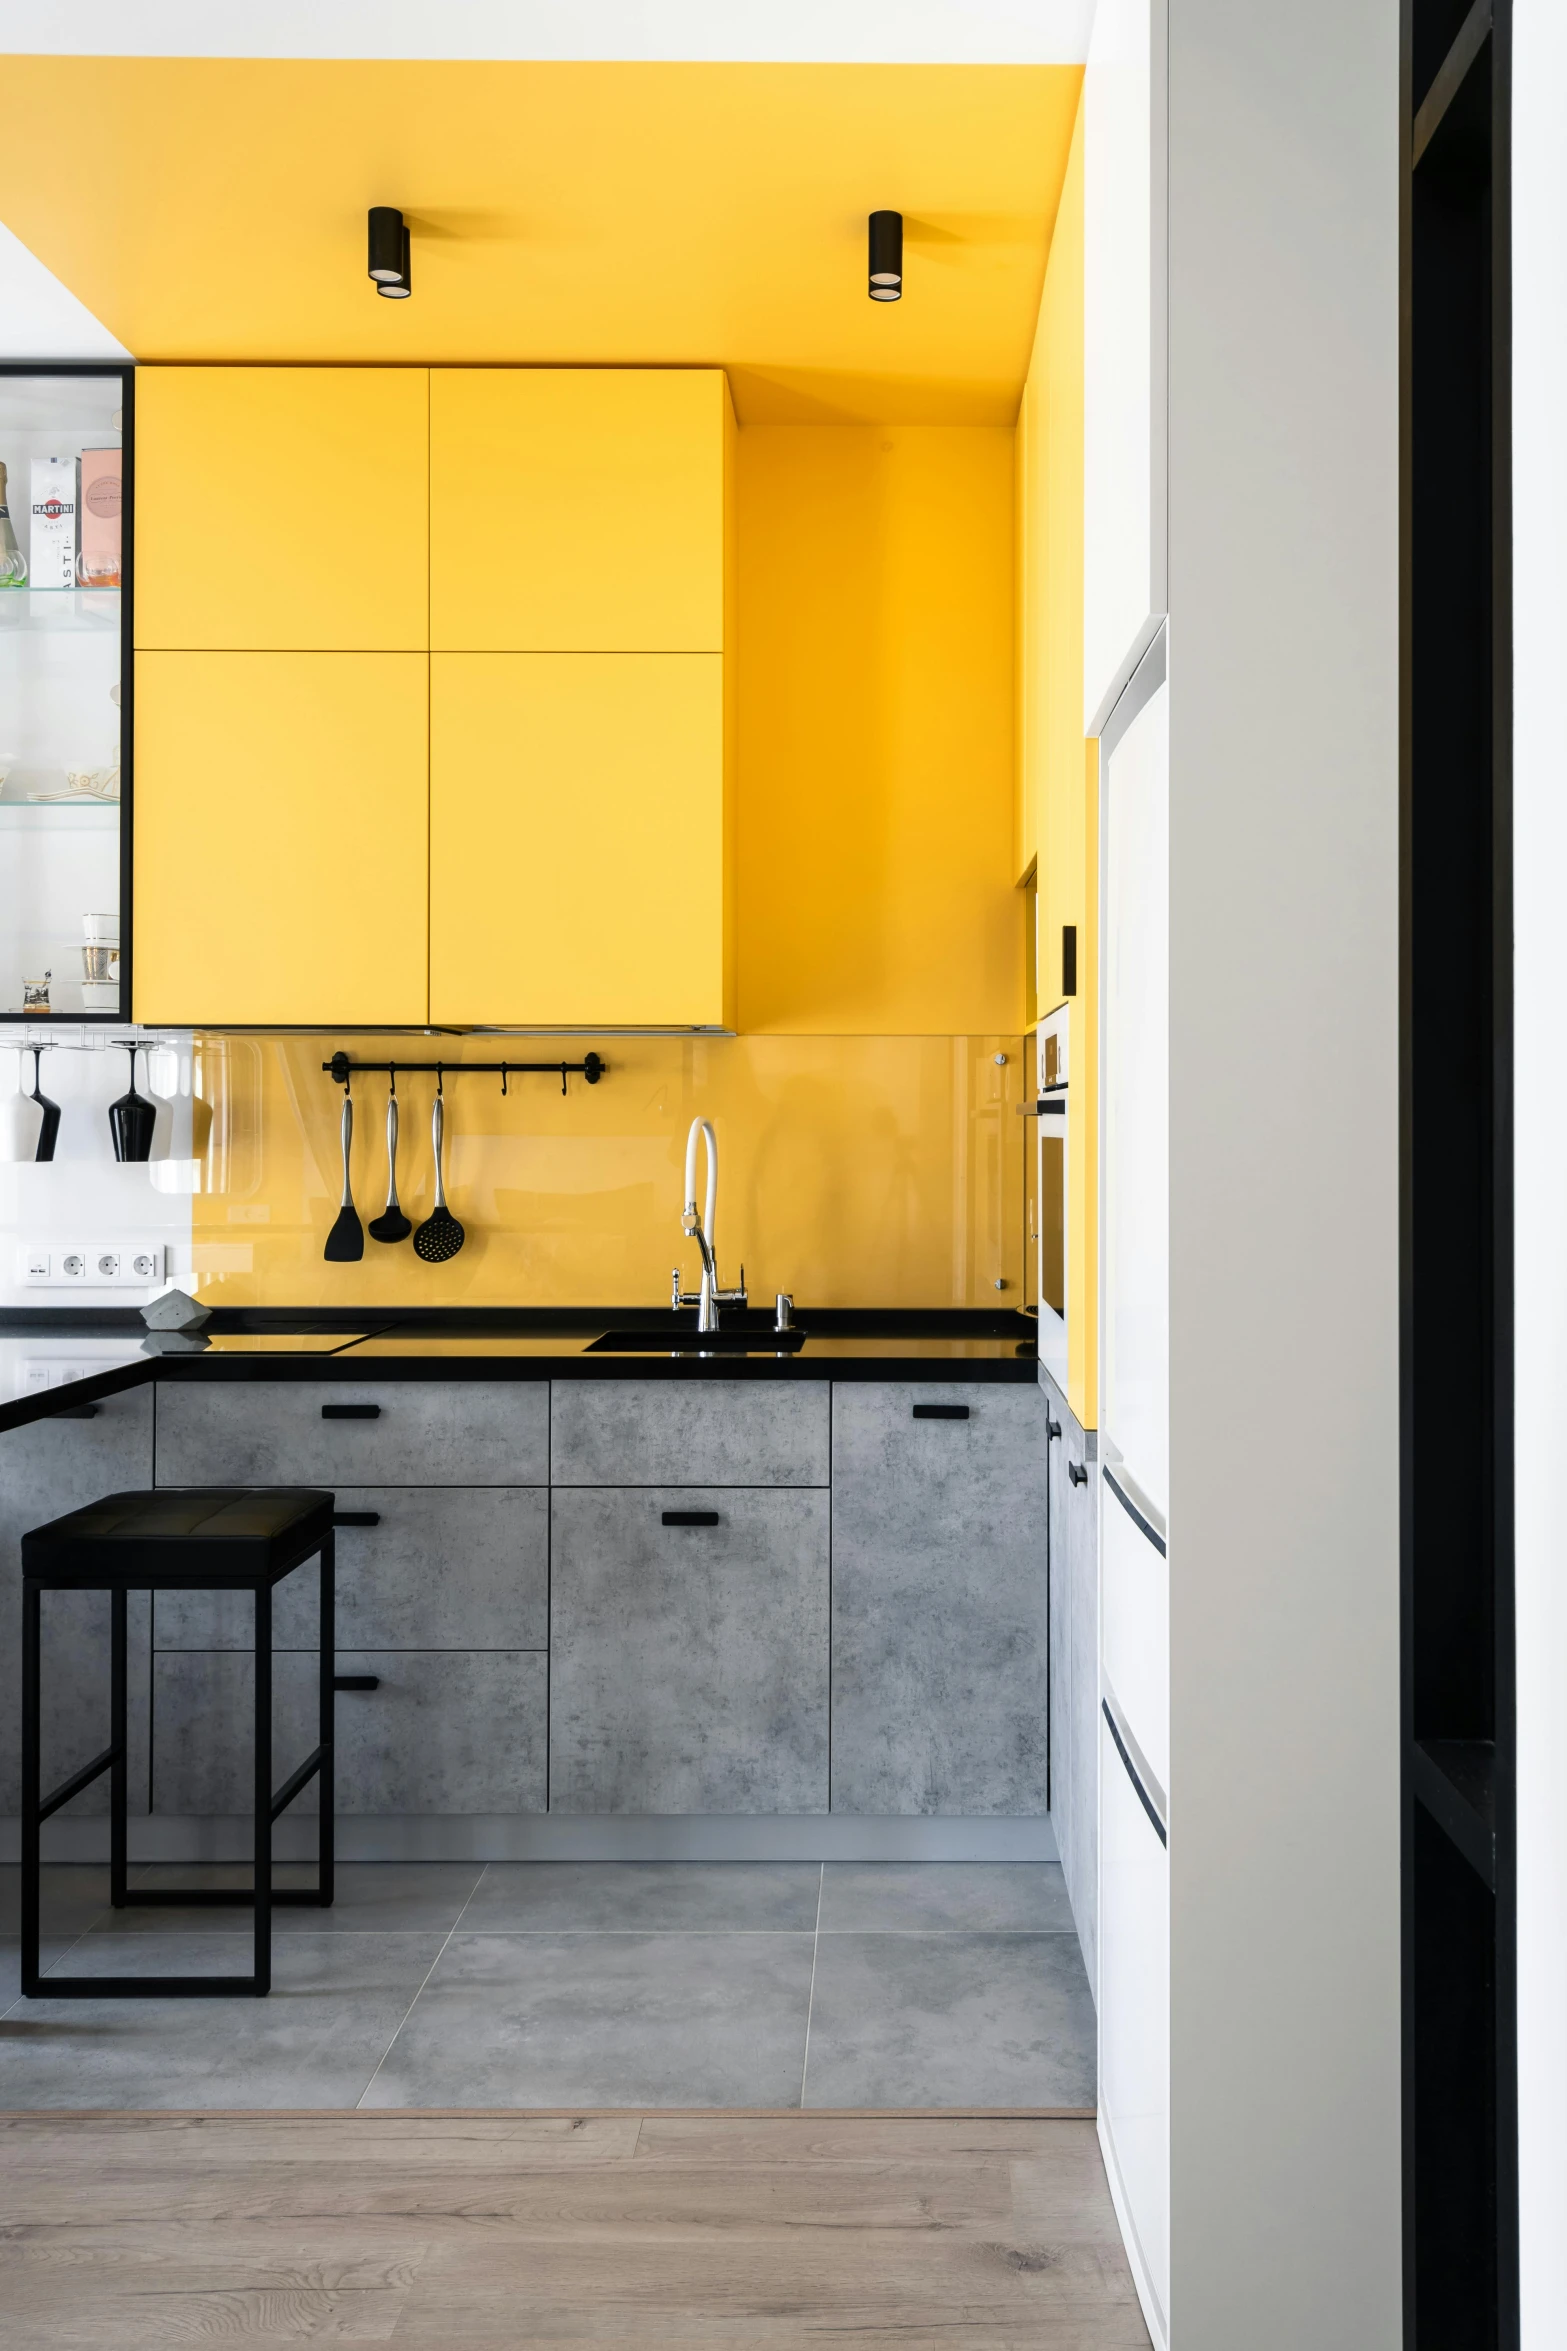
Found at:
[683, 1340]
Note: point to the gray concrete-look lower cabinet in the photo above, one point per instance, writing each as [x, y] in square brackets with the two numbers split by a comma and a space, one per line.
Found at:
[939, 1688]
[680, 1433]
[1074, 1668]
[447, 1567]
[448, 1731]
[423, 1433]
[46, 1469]
[689, 1663]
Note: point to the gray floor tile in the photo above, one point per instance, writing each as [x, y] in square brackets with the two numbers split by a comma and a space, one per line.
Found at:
[383, 1897]
[931, 1897]
[336, 2002]
[605, 2020]
[72, 1895]
[50, 1949]
[951, 2020]
[646, 1897]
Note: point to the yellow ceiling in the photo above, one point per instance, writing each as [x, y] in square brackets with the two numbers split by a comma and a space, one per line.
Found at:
[207, 208]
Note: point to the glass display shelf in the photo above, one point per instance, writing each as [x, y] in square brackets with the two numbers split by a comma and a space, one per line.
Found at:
[83, 611]
[97, 815]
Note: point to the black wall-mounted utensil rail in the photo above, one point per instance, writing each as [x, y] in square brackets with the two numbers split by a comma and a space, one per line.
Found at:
[341, 1069]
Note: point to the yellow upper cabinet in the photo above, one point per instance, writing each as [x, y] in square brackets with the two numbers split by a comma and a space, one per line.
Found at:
[578, 509]
[578, 840]
[282, 509]
[281, 862]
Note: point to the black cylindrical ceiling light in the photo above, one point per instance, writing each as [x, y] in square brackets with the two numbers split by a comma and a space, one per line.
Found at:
[886, 257]
[389, 262]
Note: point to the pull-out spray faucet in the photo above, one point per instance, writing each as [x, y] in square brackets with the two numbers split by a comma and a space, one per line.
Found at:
[698, 1227]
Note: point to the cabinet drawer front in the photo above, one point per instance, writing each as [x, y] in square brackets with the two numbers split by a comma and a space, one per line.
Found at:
[940, 1669]
[446, 1568]
[1136, 1609]
[993, 1459]
[262, 780]
[216, 567]
[46, 1469]
[447, 1731]
[664, 1432]
[600, 527]
[689, 1663]
[425, 1433]
[577, 772]
[1134, 2007]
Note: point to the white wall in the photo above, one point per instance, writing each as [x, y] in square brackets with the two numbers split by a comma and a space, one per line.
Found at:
[1283, 664]
[42, 319]
[987, 32]
[83, 1195]
[1540, 1141]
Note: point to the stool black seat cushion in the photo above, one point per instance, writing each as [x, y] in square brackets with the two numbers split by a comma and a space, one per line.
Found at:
[211, 1537]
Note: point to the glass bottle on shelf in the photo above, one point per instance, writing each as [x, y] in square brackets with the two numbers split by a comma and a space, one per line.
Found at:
[13, 563]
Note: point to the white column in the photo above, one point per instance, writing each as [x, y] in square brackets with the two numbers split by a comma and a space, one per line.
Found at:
[1284, 1532]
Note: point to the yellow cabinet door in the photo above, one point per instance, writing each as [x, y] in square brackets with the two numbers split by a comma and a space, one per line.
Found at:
[578, 509]
[578, 870]
[282, 509]
[281, 868]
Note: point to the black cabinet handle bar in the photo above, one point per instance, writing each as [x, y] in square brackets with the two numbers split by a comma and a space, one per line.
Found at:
[941, 1412]
[356, 1681]
[350, 1412]
[690, 1518]
[356, 1518]
[1076, 1472]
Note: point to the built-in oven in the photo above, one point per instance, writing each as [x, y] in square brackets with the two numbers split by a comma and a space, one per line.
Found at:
[1048, 1188]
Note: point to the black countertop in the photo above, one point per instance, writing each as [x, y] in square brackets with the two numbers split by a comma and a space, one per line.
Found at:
[54, 1360]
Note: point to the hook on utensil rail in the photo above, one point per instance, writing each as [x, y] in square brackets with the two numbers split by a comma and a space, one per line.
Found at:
[503, 1081]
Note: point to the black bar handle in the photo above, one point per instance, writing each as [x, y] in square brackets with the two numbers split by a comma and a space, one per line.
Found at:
[690, 1518]
[350, 1412]
[75, 1412]
[356, 1518]
[1052, 1430]
[941, 1412]
[356, 1681]
[1077, 1473]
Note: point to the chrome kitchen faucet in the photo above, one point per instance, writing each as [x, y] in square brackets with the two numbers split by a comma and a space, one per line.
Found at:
[699, 1228]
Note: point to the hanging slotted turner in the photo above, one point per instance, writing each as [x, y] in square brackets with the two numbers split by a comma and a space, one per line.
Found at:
[346, 1241]
[391, 1224]
[440, 1236]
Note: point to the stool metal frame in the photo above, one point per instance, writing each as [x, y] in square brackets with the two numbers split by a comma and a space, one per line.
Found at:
[269, 1803]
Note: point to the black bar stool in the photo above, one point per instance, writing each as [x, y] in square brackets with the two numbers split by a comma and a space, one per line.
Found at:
[185, 1539]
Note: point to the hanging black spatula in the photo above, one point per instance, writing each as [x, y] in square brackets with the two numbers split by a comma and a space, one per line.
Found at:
[440, 1236]
[391, 1224]
[346, 1241]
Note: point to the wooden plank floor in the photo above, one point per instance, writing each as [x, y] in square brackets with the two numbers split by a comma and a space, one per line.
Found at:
[474, 2232]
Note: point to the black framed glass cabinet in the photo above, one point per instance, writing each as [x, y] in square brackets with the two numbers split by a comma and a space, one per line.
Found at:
[65, 691]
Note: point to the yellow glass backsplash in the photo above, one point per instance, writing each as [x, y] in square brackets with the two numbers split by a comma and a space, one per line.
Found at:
[854, 1171]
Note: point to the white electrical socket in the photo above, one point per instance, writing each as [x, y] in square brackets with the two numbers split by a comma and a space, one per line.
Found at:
[94, 1265]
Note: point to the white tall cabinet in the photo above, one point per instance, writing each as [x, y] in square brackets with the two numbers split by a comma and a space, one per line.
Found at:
[1134, 1480]
[1240, 527]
